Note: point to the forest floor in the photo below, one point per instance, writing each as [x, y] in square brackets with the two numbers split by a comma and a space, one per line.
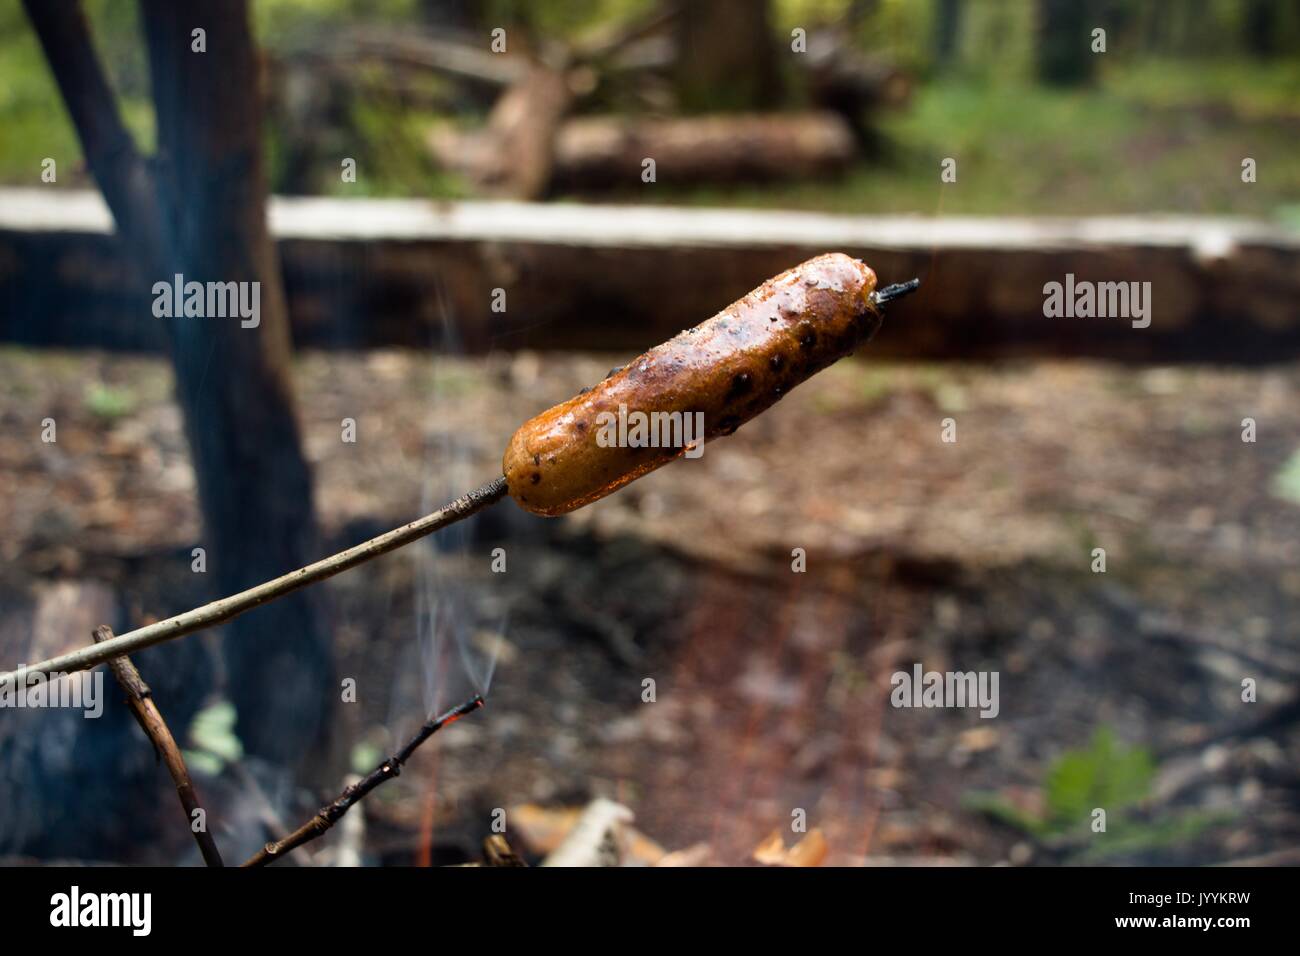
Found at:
[1120, 690]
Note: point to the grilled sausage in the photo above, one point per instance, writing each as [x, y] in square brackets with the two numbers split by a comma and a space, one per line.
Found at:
[719, 374]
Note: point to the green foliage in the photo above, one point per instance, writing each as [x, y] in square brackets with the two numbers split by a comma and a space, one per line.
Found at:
[564, 21]
[390, 153]
[1105, 774]
[33, 121]
[105, 401]
[1179, 95]
[1246, 90]
[365, 757]
[997, 42]
[1289, 216]
[995, 808]
[1108, 775]
[279, 22]
[1172, 831]
[1031, 150]
[1286, 483]
[212, 734]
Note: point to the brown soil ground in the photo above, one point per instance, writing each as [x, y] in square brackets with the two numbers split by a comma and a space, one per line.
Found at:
[772, 687]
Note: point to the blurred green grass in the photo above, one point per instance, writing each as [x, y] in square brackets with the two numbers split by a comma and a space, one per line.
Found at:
[1154, 135]
[1167, 138]
[33, 123]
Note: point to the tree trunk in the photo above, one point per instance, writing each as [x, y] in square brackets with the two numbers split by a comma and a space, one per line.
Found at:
[1065, 54]
[199, 210]
[1264, 26]
[947, 27]
[462, 15]
[726, 57]
[233, 383]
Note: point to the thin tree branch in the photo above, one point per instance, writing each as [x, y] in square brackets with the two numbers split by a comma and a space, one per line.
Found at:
[140, 699]
[218, 612]
[329, 814]
[122, 174]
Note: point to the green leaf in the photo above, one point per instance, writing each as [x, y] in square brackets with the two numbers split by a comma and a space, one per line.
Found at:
[995, 807]
[213, 731]
[1286, 483]
[1106, 775]
[104, 401]
[365, 757]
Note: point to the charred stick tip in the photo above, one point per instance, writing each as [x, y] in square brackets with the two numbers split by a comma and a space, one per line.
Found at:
[456, 713]
[896, 291]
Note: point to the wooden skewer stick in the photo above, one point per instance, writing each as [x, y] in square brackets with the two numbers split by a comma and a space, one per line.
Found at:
[218, 612]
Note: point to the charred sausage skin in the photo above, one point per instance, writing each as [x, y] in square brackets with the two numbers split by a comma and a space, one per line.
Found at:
[730, 368]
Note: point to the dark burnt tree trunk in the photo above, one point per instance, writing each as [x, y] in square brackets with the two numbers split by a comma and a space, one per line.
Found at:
[233, 383]
[947, 30]
[462, 15]
[727, 56]
[199, 209]
[1064, 41]
[1269, 27]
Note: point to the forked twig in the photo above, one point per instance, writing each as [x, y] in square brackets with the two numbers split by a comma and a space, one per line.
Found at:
[140, 699]
[329, 814]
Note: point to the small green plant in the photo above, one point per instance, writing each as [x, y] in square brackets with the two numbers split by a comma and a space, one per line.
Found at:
[1286, 483]
[105, 401]
[212, 734]
[1106, 775]
[364, 757]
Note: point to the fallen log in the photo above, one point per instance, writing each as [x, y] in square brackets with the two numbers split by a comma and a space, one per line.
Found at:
[513, 156]
[601, 152]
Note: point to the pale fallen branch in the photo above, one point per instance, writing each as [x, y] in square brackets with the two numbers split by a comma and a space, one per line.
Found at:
[596, 839]
[498, 852]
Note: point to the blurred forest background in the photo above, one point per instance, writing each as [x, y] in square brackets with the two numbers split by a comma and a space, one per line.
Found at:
[1040, 127]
